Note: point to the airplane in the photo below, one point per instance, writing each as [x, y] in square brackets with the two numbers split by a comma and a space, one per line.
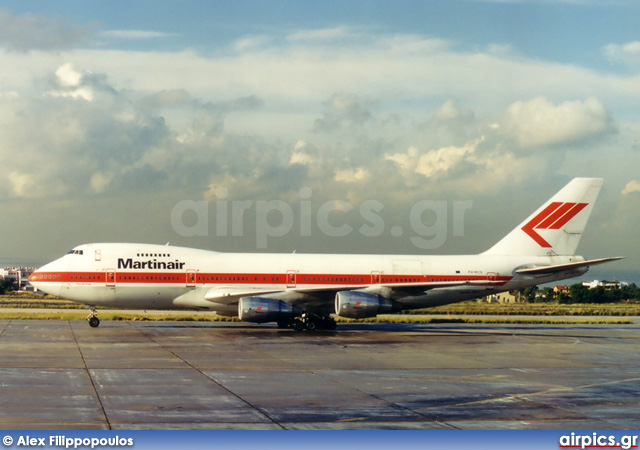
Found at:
[302, 291]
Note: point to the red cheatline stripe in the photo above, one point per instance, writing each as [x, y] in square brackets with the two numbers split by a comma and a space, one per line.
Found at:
[562, 221]
[314, 279]
[552, 218]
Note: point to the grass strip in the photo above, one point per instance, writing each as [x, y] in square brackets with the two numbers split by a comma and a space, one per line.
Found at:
[208, 317]
[34, 306]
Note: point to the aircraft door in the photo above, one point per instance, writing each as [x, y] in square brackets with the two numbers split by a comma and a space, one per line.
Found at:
[111, 278]
[291, 278]
[375, 277]
[492, 276]
[191, 278]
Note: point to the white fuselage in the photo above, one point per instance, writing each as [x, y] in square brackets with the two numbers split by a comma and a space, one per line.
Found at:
[149, 276]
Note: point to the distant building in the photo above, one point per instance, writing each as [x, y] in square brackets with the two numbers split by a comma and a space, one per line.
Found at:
[19, 276]
[503, 297]
[605, 284]
[561, 290]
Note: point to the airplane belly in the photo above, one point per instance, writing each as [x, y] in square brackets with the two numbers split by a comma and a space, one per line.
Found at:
[127, 297]
[439, 297]
[87, 293]
[147, 297]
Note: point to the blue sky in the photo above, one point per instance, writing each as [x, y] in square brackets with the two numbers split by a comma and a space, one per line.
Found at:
[112, 113]
[568, 31]
[563, 31]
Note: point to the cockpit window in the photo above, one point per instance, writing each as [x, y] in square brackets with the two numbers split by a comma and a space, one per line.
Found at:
[76, 252]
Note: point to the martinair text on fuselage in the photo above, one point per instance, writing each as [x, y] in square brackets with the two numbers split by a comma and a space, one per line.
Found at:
[154, 264]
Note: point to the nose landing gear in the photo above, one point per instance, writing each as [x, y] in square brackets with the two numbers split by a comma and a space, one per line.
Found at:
[93, 320]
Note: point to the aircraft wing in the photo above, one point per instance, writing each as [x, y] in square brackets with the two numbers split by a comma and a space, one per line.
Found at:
[228, 295]
[545, 270]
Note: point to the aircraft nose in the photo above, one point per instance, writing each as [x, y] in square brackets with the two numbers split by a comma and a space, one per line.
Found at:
[48, 278]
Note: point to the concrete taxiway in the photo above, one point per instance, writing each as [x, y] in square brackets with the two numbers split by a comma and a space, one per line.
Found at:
[189, 375]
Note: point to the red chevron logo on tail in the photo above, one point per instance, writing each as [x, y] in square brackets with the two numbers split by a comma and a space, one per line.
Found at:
[553, 217]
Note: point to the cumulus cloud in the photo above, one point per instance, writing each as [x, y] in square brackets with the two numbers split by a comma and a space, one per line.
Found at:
[408, 161]
[25, 32]
[99, 140]
[70, 84]
[79, 138]
[538, 122]
[299, 154]
[83, 137]
[435, 163]
[352, 175]
[439, 162]
[344, 110]
[632, 186]
[68, 76]
[450, 111]
[628, 53]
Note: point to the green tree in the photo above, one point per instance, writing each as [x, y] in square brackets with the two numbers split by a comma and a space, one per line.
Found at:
[564, 298]
[5, 285]
[579, 293]
[599, 295]
[528, 295]
[547, 295]
[631, 292]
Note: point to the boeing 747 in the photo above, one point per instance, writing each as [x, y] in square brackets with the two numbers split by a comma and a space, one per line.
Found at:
[302, 291]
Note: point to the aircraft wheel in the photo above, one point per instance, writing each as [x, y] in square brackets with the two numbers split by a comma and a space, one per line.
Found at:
[330, 324]
[94, 322]
[312, 325]
[297, 325]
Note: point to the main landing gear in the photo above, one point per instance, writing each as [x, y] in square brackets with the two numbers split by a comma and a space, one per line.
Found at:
[92, 318]
[309, 322]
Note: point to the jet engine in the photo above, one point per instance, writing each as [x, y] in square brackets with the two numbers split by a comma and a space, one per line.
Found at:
[261, 309]
[359, 305]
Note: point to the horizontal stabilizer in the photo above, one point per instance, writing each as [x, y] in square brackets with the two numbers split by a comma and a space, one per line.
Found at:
[565, 267]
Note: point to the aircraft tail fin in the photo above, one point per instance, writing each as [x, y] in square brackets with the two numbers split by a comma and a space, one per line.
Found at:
[557, 226]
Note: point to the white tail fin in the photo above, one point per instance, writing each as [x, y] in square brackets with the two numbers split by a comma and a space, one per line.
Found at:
[557, 226]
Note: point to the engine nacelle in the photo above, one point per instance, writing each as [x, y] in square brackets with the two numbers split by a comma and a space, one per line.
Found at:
[261, 309]
[360, 305]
